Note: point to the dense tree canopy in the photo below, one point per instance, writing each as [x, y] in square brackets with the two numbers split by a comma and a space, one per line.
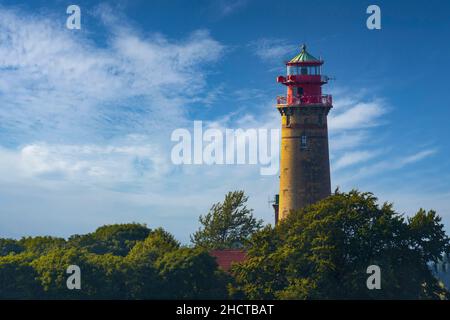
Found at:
[323, 251]
[319, 252]
[191, 273]
[18, 279]
[8, 246]
[116, 239]
[126, 261]
[158, 243]
[228, 224]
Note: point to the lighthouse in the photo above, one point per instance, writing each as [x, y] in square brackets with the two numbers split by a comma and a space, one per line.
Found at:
[304, 155]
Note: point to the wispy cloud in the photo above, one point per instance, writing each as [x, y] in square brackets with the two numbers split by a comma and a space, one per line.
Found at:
[85, 129]
[101, 165]
[418, 156]
[358, 150]
[228, 7]
[348, 140]
[353, 125]
[78, 119]
[272, 50]
[53, 81]
[359, 115]
[393, 162]
[354, 157]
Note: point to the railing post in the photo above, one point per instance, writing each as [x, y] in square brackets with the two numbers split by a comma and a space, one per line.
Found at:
[292, 100]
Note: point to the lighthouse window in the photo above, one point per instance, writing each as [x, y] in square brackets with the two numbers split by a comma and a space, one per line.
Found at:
[303, 141]
[288, 120]
[304, 71]
[291, 70]
[297, 91]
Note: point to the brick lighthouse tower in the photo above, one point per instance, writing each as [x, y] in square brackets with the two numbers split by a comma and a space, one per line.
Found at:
[304, 163]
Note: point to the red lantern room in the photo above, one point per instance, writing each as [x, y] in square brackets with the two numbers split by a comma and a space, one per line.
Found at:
[304, 81]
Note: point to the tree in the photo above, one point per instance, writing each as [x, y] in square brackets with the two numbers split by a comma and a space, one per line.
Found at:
[111, 276]
[158, 243]
[41, 245]
[116, 262]
[143, 281]
[8, 246]
[51, 269]
[228, 224]
[18, 278]
[323, 251]
[117, 239]
[191, 273]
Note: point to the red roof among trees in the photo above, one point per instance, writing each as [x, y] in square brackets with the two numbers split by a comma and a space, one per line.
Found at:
[226, 257]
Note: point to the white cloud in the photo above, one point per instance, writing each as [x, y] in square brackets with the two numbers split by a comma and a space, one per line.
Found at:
[227, 7]
[78, 119]
[132, 164]
[353, 158]
[272, 50]
[348, 140]
[388, 164]
[360, 115]
[418, 156]
[352, 123]
[86, 129]
[55, 81]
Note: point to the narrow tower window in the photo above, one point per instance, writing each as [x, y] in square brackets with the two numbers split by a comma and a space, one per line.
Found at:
[303, 142]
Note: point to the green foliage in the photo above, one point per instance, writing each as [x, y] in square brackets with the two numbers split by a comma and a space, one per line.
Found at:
[117, 239]
[128, 262]
[8, 246]
[141, 281]
[189, 273]
[51, 269]
[228, 224]
[320, 252]
[156, 245]
[323, 251]
[18, 278]
[41, 245]
[111, 276]
[145, 283]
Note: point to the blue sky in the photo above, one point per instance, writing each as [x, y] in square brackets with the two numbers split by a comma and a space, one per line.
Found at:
[86, 115]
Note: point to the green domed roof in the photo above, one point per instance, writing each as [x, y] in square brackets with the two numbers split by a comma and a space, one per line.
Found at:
[304, 56]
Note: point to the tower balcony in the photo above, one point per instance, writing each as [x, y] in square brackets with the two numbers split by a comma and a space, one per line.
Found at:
[287, 101]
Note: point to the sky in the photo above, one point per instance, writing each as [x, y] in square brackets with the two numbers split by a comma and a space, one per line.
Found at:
[86, 116]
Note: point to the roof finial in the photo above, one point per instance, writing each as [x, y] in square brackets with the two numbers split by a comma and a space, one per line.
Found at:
[303, 47]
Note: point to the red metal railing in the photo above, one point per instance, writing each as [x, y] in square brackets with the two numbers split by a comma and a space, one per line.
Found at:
[304, 100]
